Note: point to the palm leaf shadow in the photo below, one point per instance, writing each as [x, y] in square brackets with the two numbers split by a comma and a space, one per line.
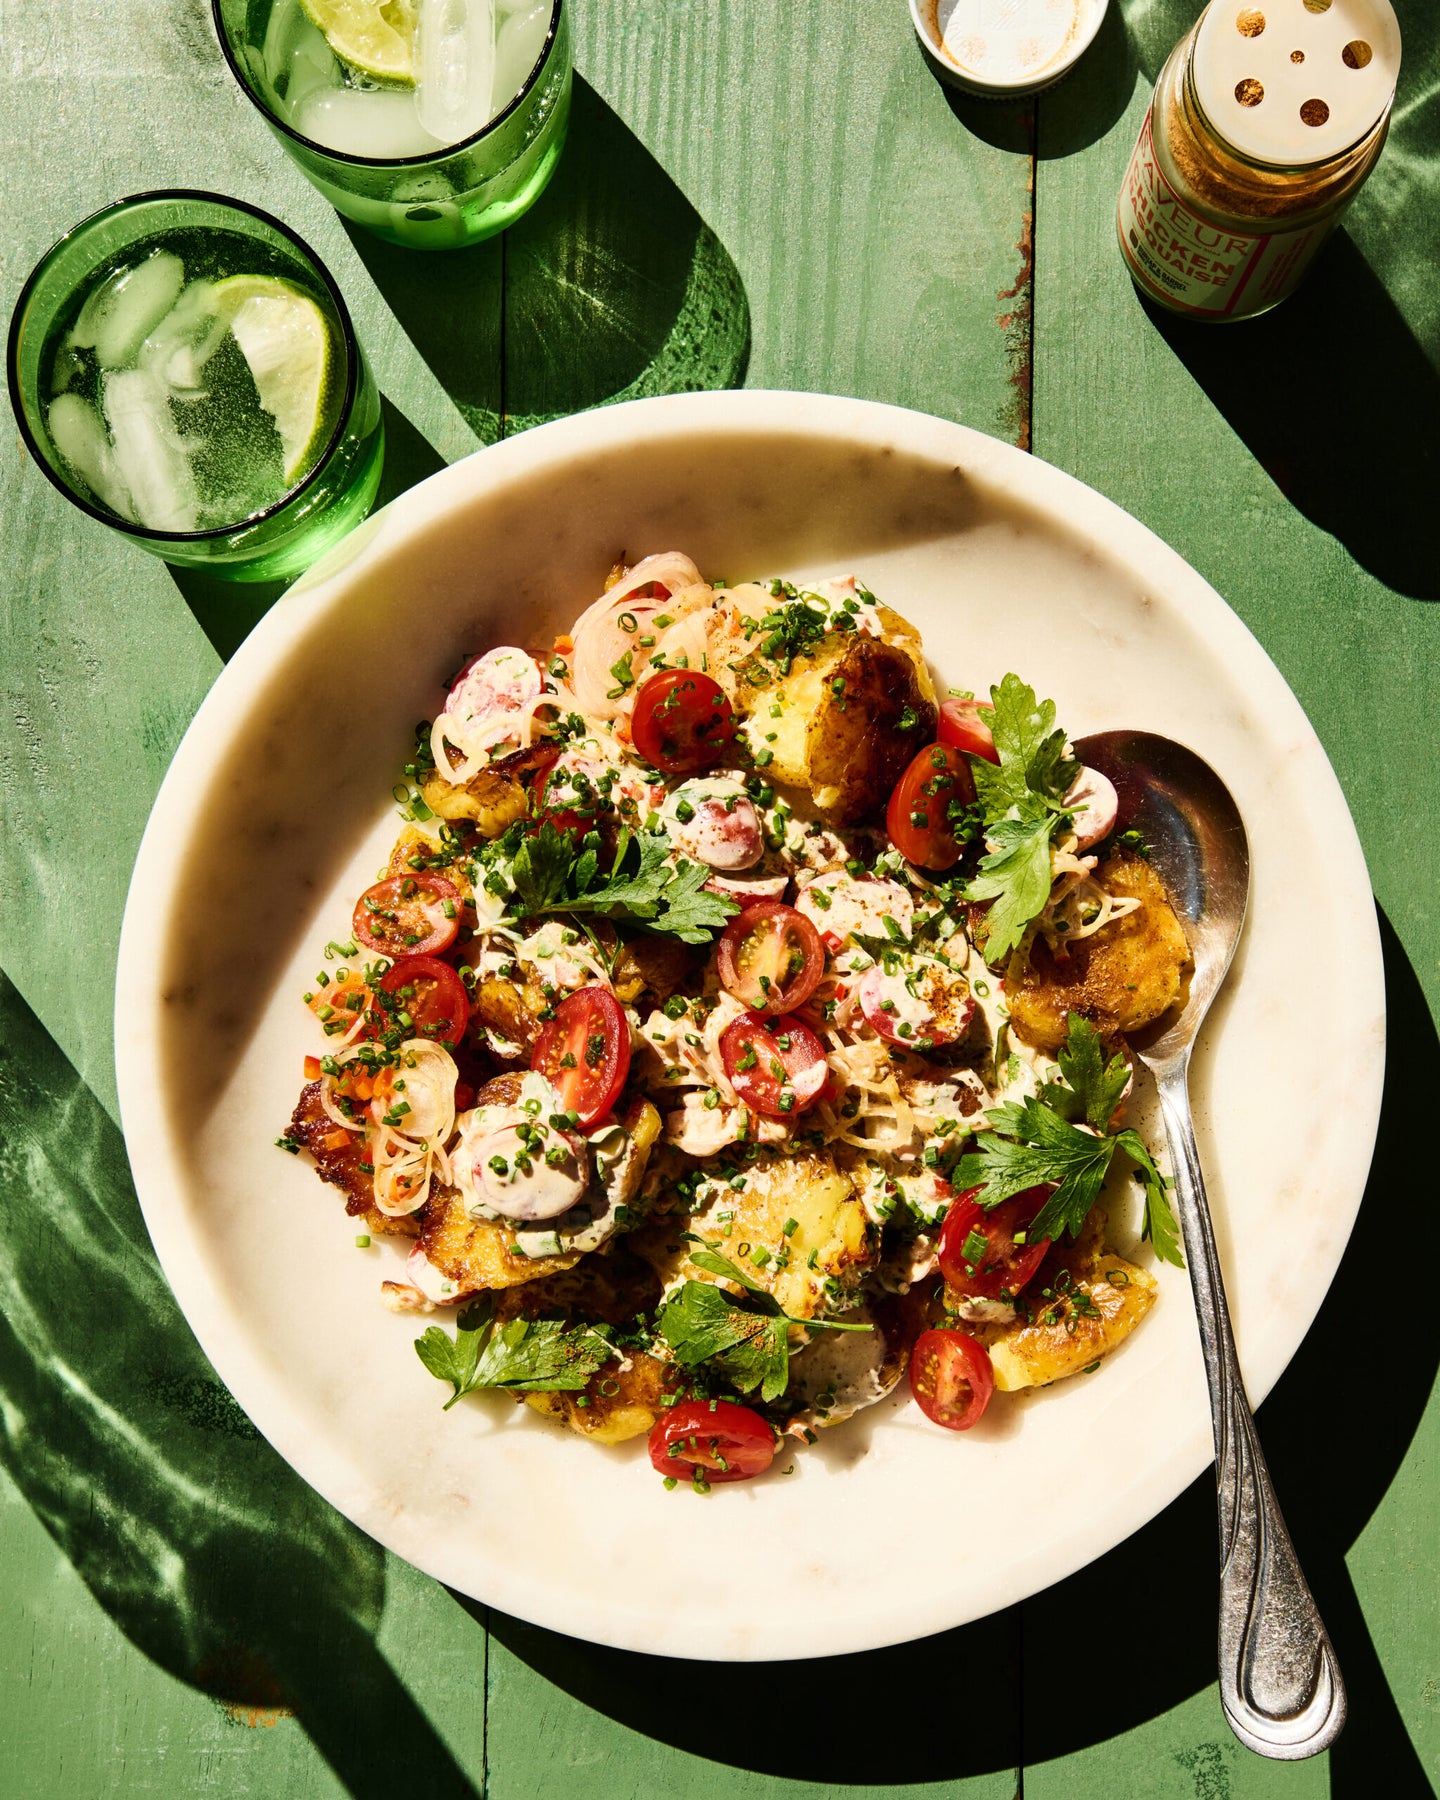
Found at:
[206, 1550]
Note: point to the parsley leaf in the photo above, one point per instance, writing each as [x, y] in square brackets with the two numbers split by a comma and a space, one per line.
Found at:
[1021, 798]
[524, 1355]
[549, 875]
[703, 1323]
[1035, 1142]
[1093, 1086]
[1016, 876]
[1033, 765]
[746, 1336]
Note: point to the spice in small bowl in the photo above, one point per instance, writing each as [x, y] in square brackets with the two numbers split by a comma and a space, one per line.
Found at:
[1003, 48]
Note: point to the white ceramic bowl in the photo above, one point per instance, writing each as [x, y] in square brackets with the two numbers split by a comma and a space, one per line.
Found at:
[276, 811]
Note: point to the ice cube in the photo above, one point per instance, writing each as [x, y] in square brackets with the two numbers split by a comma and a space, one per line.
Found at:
[178, 348]
[76, 432]
[152, 457]
[518, 44]
[379, 123]
[454, 66]
[122, 312]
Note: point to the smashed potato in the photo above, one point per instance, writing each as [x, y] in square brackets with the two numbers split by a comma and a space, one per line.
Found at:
[847, 744]
[805, 1191]
[1116, 1297]
[1121, 979]
[493, 798]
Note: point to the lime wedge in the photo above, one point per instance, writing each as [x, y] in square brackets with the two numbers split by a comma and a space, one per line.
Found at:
[376, 37]
[290, 347]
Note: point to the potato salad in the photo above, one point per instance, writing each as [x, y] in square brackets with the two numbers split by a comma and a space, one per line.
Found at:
[738, 1029]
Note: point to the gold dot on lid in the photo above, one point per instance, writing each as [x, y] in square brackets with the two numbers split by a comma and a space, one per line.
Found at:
[1297, 56]
[1314, 112]
[1249, 91]
[1250, 22]
[1356, 54]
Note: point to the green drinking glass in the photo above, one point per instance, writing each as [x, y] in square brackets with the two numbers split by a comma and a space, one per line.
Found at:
[184, 369]
[433, 123]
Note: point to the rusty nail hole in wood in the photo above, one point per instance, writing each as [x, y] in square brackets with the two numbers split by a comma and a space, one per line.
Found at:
[1356, 54]
[1314, 112]
[1250, 23]
[1249, 91]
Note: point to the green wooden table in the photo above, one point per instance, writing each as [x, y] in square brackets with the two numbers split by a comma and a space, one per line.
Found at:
[778, 193]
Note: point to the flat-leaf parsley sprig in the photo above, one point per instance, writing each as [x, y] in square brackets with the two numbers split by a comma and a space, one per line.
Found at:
[550, 873]
[747, 1337]
[1022, 798]
[522, 1355]
[1062, 1136]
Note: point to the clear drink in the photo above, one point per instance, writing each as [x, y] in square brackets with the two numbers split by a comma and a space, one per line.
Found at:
[433, 122]
[187, 373]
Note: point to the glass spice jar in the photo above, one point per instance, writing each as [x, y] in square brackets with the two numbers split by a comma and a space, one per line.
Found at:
[1264, 123]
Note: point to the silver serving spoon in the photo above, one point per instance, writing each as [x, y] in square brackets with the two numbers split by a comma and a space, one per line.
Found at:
[1279, 1681]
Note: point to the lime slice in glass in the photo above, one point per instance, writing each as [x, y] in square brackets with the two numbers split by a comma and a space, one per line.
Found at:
[290, 347]
[375, 37]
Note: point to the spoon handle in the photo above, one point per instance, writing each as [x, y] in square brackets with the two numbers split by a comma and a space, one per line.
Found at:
[1279, 1681]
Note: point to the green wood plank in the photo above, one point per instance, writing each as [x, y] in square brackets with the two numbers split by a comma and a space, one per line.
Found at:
[806, 168]
[567, 1717]
[102, 660]
[1293, 462]
[190, 1585]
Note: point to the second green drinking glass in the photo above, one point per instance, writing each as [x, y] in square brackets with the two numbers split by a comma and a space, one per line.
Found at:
[433, 123]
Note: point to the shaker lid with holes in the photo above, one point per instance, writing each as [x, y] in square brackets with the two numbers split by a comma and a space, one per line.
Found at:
[1002, 48]
[1294, 82]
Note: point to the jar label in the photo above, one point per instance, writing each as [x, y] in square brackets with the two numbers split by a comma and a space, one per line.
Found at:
[1195, 266]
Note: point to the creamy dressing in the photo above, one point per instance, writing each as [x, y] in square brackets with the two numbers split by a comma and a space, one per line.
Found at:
[712, 820]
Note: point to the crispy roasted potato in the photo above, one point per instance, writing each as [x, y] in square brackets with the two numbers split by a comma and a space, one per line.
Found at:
[480, 1253]
[622, 1400]
[858, 743]
[339, 1164]
[1034, 1355]
[493, 798]
[830, 1221]
[847, 747]
[510, 1010]
[1122, 979]
[660, 966]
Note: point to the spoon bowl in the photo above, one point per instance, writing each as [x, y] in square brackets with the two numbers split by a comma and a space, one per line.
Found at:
[1280, 1683]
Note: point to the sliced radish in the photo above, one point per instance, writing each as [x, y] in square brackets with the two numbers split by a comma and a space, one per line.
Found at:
[714, 821]
[938, 1011]
[501, 681]
[839, 903]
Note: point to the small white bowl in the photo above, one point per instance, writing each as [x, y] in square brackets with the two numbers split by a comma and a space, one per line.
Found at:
[1002, 48]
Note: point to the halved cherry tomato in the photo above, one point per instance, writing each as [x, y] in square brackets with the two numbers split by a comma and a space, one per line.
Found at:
[962, 726]
[776, 1066]
[1001, 1262]
[406, 915]
[423, 998]
[917, 818]
[951, 1378]
[682, 721]
[584, 1053]
[770, 957]
[726, 1441]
